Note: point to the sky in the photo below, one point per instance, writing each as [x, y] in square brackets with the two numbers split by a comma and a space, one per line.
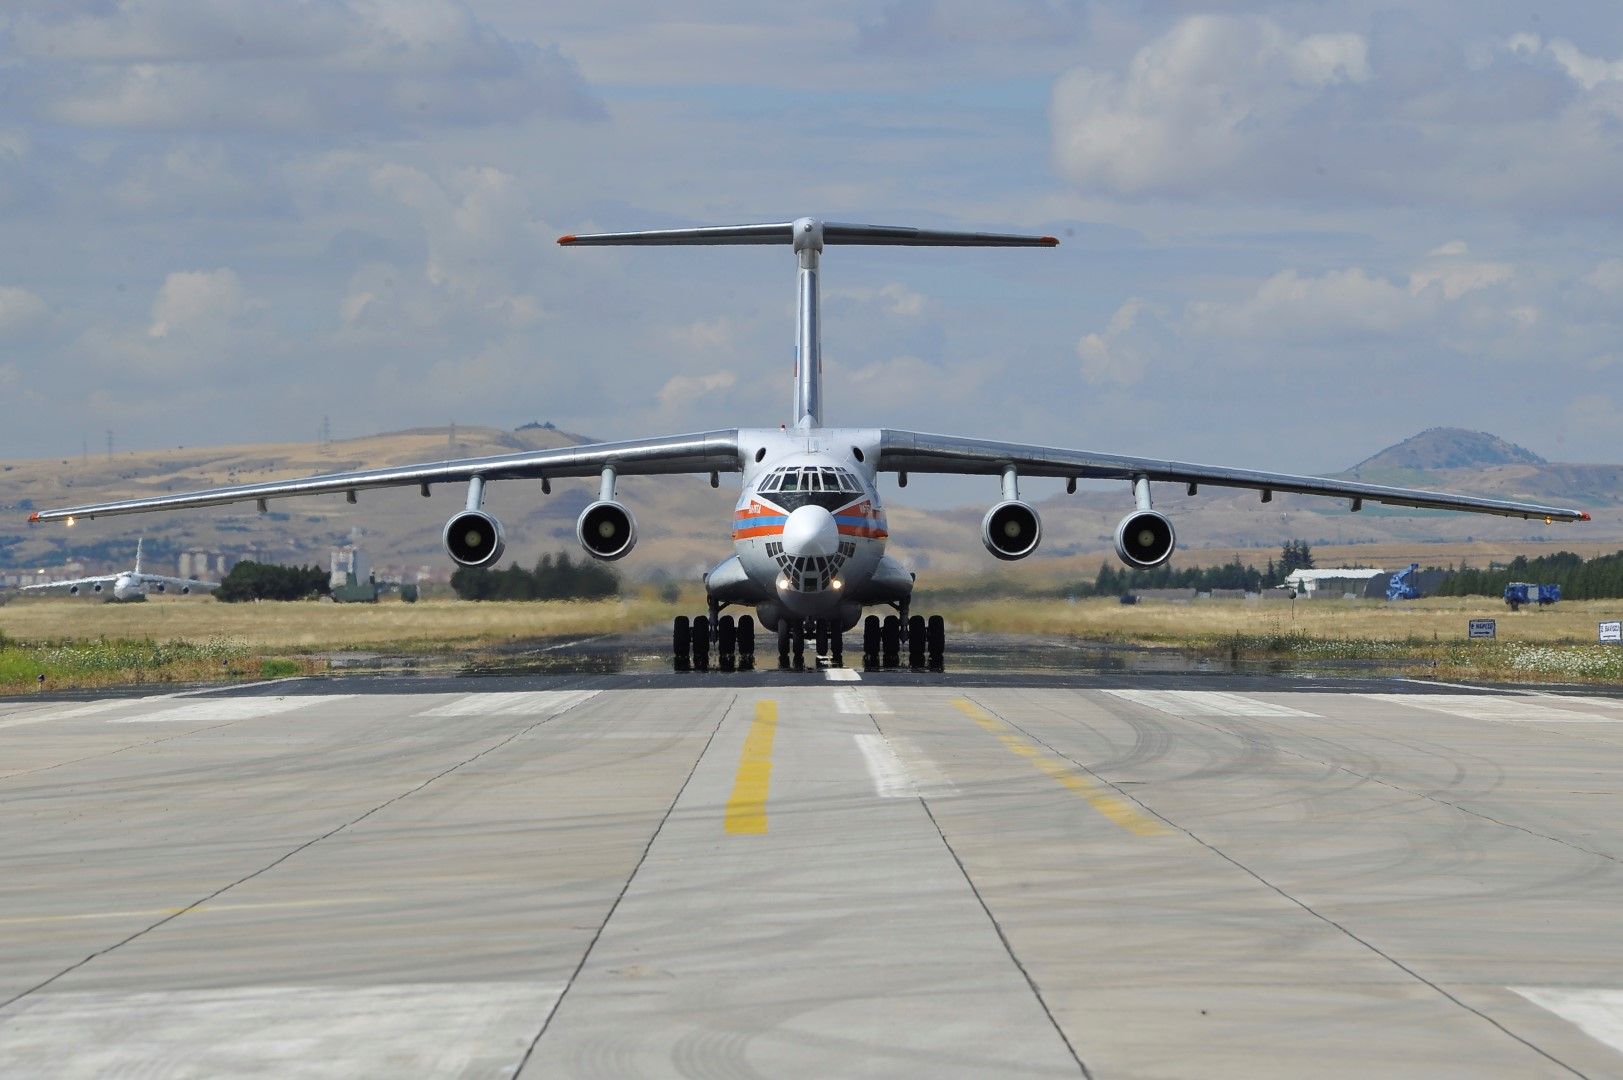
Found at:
[1292, 233]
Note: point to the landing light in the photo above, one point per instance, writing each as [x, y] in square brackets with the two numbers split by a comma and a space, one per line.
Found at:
[838, 584]
[783, 584]
[70, 522]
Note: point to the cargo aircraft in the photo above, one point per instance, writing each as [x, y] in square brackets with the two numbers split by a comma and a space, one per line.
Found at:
[809, 528]
[126, 585]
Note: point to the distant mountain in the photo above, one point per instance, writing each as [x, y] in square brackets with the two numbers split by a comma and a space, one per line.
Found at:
[1447, 448]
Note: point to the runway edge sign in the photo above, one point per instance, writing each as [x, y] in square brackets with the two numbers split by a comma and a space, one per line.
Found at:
[1482, 628]
[1611, 633]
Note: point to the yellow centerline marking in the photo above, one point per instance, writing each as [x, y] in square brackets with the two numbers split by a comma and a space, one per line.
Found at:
[1118, 810]
[746, 806]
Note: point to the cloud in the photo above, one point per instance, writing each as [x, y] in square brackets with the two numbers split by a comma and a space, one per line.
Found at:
[682, 392]
[198, 303]
[1199, 105]
[1243, 108]
[305, 65]
[20, 311]
[1129, 347]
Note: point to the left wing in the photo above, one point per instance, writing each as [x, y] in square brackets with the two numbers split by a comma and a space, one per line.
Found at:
[104, 579]
[709, 451]
[914, 451]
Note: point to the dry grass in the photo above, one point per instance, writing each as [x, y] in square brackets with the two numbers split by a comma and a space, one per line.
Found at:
[1440, 619]
[321, 627]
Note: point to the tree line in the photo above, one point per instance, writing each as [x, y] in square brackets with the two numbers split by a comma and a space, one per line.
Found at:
[249, 580]
[554, 578]
[1599, 578]
[1117, 580]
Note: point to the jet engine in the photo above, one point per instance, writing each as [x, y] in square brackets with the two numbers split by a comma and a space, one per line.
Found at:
[606, 530]
[474, 538]
[73, 590]
[1145, 538]
[1011, 530]
[159, 588]
[185, 590]
[96, 587]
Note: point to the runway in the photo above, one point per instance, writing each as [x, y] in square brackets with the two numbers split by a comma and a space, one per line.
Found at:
[774, 875]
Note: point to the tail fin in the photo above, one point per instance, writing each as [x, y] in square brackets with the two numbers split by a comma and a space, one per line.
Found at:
[808, 236]
[138, 553]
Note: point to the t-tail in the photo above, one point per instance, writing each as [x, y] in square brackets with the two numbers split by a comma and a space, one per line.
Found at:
[138, 553]
[808, 237]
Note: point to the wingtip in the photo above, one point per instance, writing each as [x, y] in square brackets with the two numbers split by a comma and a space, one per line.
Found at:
[566, 239]
[33, 519]
[1048, 241]
[1583, 515]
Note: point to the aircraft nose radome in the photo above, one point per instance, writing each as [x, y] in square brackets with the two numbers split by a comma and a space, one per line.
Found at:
[810, 531]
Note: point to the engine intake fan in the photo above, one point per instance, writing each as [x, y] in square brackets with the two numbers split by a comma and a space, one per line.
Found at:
[606, 530]
[1145, 538]
[474, 538]
[1011, 530]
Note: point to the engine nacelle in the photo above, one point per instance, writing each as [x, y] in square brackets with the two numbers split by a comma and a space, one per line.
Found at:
[73, 590]
[606, 530]
[96, 587]
[474, 538]
[185, 590]
[1011, 530]
[1145, 538]
[159, 588]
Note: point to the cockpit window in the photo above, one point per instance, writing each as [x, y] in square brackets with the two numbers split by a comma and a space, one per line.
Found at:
[797, 478]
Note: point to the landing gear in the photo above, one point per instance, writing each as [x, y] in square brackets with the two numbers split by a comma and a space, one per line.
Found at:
[701, 643]
[783, 644]
[924, 640]
[870, 642]
[726, 643]
[746, 643]
[681, 643]
[890, 641]
[935, 638]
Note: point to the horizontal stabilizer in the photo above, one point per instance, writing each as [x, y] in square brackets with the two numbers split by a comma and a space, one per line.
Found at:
[832, 232]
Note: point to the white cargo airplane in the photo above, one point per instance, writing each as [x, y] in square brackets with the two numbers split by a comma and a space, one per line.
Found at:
[808, 531]
[126, 584]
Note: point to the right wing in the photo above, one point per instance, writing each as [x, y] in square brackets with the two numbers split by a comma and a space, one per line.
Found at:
[106, 579]
[705, 452]
[179, 582]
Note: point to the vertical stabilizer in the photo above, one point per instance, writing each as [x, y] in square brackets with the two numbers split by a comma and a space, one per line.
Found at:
[138, 554]
[808, 237]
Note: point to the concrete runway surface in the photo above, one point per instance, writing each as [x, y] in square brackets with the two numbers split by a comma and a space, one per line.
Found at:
[800, 875]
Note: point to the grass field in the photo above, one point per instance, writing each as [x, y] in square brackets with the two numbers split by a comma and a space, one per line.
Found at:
[170, 639]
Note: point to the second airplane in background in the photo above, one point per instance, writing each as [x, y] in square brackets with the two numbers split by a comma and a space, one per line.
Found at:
[126, 584]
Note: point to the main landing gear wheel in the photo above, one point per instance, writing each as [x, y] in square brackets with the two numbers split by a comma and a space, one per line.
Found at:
[890, 641]
[915, 641]
[701, 643]
[783, 644]
[681, 642]
[836, 645]
[797, 641]
[870, 641]
[727, 643]
[935, 637]
[746, 643]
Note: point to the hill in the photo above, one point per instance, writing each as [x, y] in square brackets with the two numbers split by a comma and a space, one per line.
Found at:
[1447, 448]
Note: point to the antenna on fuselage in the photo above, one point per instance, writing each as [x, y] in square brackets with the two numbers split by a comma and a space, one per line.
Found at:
[808, 236]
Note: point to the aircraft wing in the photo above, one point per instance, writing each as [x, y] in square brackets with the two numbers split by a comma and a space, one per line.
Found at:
[709, 451]
[919, 452]
[105, 579]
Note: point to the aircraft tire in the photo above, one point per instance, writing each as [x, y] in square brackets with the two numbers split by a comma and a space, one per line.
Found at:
[915, 641]
[935, 636]
[701, 643]
[822, 637]
[783, 644]
[681, 643]
[870, 641]
[726, 643]
[890, 641]
[836, 645]
[797, 641]
[746, 643]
